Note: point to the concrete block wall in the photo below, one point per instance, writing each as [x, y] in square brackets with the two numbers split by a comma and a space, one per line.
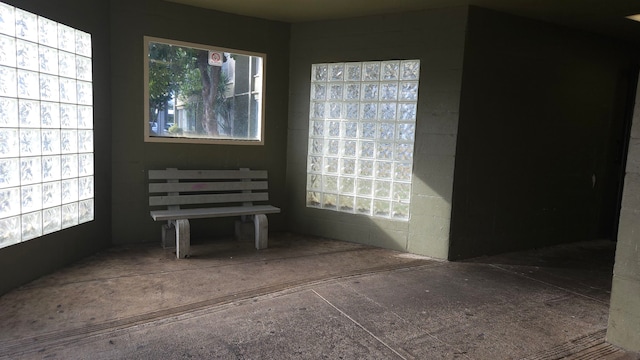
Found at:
[538, 158]
[437, 39]
[624, 312]
[26, 261]
[132, 157]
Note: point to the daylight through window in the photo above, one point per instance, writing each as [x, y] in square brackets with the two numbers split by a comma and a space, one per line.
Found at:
[202, 94]
[361, 137]
[46, 126]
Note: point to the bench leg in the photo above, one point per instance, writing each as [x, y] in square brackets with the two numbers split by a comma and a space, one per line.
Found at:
[183, 238]
[168, 235]
[244, 229]
[261, 230]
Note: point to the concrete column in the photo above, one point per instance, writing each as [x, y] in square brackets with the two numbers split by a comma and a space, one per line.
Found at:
[624, 313]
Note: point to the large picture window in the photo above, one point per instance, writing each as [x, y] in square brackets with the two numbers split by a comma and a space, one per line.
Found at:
[202, 94]
[46, 126]
[362, 125]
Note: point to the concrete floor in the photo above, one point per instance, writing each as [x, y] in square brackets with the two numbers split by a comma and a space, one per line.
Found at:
[312, 298]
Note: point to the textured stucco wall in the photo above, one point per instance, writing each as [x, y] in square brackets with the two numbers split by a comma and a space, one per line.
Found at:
[26, 261]
[539, 150]
[132, 157]
[437, 39]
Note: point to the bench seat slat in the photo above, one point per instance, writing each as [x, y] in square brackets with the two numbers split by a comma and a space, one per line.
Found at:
[199, 213]
[207, 199]
[175, 174]
[207, 186]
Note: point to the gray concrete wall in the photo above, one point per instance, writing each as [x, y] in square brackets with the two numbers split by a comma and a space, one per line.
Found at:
[541, 134]
[624, 312]
[437, 39]
[132, 157]
[26, 261]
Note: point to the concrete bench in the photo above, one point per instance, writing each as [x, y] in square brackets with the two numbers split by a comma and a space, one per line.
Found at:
[197, 194]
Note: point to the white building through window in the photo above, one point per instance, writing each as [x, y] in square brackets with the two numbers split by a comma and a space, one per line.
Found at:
[362, 125]
[46, 126]
[202, 94]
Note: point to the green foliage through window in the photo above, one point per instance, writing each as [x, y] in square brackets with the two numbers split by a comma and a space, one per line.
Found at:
[199, 93]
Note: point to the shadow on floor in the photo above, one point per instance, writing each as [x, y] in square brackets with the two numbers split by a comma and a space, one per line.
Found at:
[313, 298]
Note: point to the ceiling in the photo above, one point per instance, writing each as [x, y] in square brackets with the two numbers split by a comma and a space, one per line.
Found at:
[599, 16]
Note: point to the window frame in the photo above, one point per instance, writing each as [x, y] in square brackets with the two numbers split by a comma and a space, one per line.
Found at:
[148, 137]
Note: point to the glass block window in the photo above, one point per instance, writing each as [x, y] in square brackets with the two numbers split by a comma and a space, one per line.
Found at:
[362, 125]
[46, 126]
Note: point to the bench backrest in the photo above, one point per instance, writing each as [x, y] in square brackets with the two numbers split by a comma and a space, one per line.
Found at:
[197, 187]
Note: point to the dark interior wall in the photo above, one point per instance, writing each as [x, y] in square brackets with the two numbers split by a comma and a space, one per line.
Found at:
[26, 261]
[132, 157]
[540, 139]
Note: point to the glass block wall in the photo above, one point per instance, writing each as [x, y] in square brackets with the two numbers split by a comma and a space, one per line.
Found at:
[46, 126]
[361, 137]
